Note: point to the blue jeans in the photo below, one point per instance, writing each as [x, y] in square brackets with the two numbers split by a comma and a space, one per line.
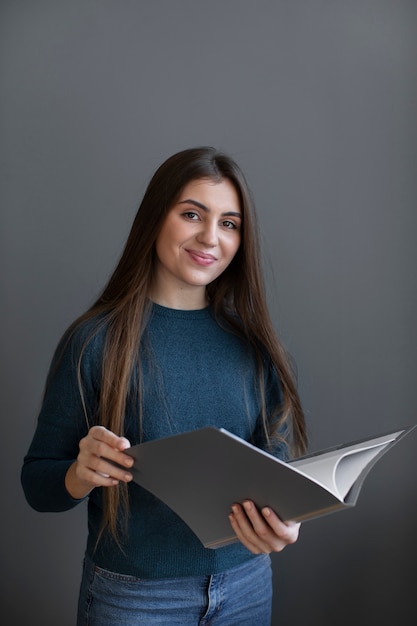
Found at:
[239, 596]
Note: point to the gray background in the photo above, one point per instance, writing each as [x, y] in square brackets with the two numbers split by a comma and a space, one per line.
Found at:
[317, 102]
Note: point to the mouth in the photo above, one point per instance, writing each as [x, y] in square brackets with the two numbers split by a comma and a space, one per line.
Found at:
[201, 258]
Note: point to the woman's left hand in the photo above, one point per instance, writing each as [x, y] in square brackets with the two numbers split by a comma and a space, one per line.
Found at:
[262, 532]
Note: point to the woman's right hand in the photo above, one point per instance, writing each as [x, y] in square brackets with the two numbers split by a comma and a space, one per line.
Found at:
[91, 469]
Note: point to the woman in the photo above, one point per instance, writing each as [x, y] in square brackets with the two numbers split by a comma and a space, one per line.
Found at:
[180, 338]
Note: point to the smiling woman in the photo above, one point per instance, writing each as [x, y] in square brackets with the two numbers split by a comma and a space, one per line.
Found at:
[180, 338]
[198, 240]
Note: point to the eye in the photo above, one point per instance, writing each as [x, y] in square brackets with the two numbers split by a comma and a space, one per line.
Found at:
[191, 215]
[230, 225]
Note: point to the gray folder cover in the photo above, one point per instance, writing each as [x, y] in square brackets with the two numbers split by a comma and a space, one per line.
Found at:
[200, 474]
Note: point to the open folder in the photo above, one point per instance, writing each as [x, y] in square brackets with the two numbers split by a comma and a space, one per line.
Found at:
[200, 474]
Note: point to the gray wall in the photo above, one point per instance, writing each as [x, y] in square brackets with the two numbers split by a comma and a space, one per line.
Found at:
[317, 101]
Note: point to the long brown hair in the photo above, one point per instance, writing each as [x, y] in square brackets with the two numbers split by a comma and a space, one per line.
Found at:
[237, 296]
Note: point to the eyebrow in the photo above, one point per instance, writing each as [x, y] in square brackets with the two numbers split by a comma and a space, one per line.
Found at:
[207, 210]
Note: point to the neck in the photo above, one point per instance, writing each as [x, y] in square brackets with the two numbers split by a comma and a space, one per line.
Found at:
[184, 300]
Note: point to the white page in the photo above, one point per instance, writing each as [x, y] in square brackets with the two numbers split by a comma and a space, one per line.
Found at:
[338, 469]
[350, 466]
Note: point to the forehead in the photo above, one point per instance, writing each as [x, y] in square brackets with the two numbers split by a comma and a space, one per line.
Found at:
[221, 194]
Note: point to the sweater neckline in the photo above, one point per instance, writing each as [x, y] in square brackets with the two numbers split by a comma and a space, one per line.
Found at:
[185, 314]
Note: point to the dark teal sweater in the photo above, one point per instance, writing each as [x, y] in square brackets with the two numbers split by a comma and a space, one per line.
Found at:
[195, 374]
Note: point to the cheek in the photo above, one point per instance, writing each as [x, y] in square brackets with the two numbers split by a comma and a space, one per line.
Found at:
[230, 253]
[165, 240]
[234, 247]
[162, 251]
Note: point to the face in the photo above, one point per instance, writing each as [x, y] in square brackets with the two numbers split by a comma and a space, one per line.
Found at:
[199, 238]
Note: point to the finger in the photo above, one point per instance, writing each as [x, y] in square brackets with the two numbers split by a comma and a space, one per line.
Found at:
[287, 531]
[102, 443]
[98, 472]
[241, 536]
[104, 467]
[270, 539]
[266, 532]
[99, 462]
[268, 524]
[102, 434]
[109, 470]
[245, 532]
[277, 533]
[93, 478]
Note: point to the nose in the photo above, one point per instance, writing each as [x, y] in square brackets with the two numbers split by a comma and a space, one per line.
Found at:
[208, 234]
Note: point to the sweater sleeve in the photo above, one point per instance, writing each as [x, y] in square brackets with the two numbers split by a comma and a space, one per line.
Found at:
[65, 417]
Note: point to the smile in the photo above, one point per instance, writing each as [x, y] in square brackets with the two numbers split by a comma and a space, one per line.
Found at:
[201, 258]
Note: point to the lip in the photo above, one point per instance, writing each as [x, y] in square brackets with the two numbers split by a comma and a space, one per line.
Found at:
[201, 258]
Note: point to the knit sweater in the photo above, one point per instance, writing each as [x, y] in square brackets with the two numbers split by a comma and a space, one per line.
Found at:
[195, 374]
